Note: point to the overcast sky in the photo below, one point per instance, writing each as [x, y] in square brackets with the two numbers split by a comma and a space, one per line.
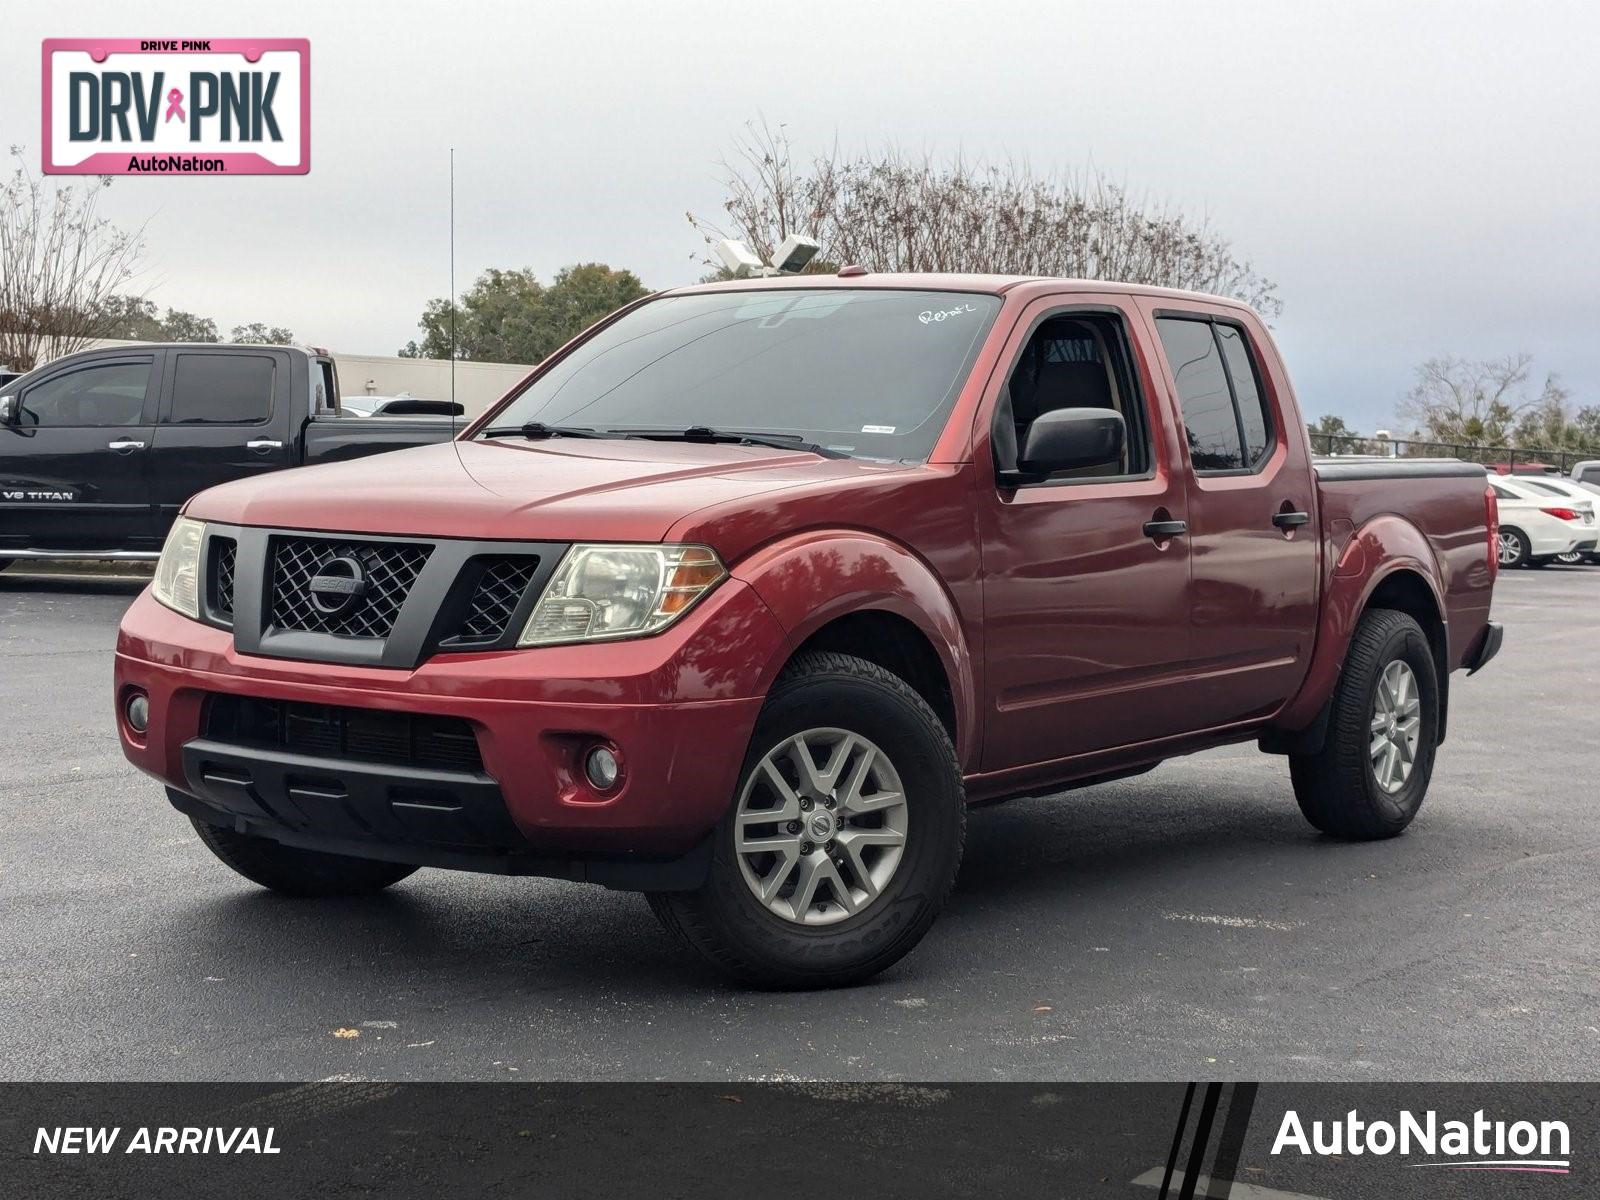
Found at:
[1419, 179]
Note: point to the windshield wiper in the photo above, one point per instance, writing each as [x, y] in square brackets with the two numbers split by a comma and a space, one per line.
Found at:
[538, 429]
[737, 437]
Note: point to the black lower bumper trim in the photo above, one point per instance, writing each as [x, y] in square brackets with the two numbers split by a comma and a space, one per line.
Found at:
[424, 817]
[339, 798]
[1488, 648]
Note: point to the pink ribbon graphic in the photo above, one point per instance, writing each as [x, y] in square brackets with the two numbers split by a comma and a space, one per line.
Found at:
[175, 105]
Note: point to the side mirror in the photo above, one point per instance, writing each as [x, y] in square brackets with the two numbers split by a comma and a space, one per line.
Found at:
[1068, 438]
[10, 410]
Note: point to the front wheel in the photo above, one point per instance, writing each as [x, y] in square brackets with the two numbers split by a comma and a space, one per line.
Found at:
[296, 872]
[844, 837]
[1571, 558]
[1370, 776]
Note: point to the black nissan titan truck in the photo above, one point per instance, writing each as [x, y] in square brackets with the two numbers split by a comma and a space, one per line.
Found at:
[100, 449]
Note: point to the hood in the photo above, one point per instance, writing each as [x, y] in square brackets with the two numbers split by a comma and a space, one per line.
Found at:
[506, 488]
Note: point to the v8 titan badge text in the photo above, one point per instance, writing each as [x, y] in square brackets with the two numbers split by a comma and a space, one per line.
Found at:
[207, 106]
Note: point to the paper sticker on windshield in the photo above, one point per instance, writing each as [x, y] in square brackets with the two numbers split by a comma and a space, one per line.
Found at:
[877, 429]
[933, 316]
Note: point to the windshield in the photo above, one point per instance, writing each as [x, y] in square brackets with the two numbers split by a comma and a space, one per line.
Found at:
[858, 371]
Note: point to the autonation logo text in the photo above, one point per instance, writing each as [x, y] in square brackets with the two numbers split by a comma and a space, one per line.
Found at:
[1476, 1145]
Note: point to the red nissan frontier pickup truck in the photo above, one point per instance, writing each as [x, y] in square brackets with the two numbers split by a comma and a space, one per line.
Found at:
[742, 598]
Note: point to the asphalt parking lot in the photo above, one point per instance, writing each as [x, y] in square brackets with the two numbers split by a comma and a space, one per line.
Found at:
[1184, 924]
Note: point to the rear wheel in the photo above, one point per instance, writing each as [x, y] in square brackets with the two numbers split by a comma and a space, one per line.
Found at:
[843, 840]
[1570, 559]
[296, 872]
[1371, 775]
[1514, 550]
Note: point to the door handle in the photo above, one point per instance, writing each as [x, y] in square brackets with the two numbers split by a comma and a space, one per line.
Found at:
[1291, 520]
[125, 447]
[263, 446]
[1165, 529]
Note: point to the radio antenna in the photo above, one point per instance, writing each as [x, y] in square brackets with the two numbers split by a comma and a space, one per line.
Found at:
[453, 295]
[454, 444]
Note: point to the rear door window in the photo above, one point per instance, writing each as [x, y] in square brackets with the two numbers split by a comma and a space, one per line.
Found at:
[1209, 420]
[1225, 416]
[1253, 419]
[222, 389]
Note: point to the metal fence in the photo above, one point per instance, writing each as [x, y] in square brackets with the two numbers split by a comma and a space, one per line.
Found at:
[1530, 458]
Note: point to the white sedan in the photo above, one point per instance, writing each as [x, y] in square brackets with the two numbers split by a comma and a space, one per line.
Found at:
[1537, 528]
[1567, 490]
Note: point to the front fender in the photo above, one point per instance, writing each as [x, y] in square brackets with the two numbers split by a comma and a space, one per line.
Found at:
[1382, 547]
[817, 577]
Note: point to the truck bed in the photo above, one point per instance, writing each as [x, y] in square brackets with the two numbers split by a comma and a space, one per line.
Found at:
[1384, 496]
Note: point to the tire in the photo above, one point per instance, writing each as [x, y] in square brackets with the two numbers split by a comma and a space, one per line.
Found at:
[1571, 558]
[1515, 549]
[1338, 787]
[296, 872]
[819, 942]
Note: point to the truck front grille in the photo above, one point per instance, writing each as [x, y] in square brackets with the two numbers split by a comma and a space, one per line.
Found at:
[224, 555]
[385, 573]
[358, 734]
[500, 589]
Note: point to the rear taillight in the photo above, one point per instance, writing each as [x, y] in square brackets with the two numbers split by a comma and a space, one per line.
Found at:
[1491, 518]
[1566, 514]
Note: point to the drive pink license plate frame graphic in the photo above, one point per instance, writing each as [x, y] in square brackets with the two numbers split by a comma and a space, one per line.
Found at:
[177, 106]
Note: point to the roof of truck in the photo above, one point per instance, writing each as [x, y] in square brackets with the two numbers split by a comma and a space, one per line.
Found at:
[950, 281]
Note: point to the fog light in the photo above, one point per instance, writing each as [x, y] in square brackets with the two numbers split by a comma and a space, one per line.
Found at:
[138, 711]
[601, 766]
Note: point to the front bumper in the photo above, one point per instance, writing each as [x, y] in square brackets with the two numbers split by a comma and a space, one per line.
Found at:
[677, 708]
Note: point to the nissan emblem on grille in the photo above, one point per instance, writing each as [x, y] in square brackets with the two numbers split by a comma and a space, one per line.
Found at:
[348, 589]
[339, 586]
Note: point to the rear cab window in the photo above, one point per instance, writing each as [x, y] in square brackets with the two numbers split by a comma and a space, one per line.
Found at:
[325, 399]
[1226, 420]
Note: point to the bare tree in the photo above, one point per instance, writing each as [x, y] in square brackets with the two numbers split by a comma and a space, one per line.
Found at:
[61, 263]
[895, 212]
[1477, 402]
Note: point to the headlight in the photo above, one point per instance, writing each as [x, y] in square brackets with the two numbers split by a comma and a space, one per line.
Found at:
[177, 581]
[601, 592]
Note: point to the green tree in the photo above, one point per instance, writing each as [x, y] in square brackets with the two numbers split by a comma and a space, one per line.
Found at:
[178, 326]
[257, 334]
[1329, 426]
[509, 316]
[131, 318]
[135, 319]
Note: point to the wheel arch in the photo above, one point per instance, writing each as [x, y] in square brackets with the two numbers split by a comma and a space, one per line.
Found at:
[862, 594]
[1388, 563]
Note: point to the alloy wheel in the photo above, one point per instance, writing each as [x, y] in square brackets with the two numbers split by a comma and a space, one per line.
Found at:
[1396, 726]
[820, 827]
[1510, 549]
